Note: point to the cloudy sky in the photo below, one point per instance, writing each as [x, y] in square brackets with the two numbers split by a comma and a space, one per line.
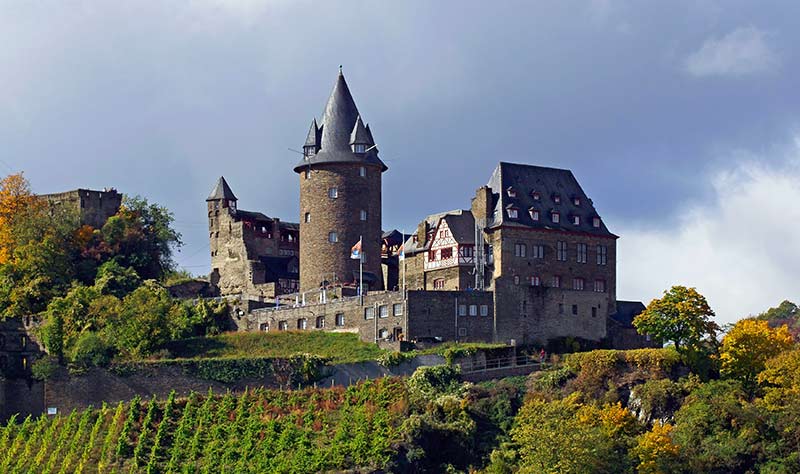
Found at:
[680, 119]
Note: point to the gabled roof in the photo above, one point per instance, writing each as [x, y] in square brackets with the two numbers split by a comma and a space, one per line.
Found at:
[221, 191]
[547, 182]
[360, 134]
[337, 124]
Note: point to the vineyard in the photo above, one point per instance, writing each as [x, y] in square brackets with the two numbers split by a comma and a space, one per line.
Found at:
[258, 431]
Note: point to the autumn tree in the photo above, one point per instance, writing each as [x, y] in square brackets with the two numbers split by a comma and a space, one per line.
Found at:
[16, 200]
[682, 316]
[747, 347]
[655, 452]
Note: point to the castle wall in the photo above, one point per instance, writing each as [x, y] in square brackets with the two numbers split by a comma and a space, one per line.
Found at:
[321, 260]
[451, 315]
[94, 207]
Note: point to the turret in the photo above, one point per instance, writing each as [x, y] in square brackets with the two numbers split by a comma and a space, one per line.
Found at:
[340, 196]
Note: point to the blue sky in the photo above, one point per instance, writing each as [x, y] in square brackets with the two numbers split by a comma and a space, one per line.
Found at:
[680, 119]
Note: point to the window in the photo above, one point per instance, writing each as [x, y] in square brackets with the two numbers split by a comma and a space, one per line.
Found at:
[581, 256]
[602, 255]
[307, 217]
[536, 195]
[438, 284]
[333, 193]
[333, 237]
[555, 217]
[360, 148]
[536, 281]
[537, 251]
[557, 281]
[594, 312]
[447, 253]
[462, 310]
[534, 214]
[362, 171]
[557, 198]
[383, 333]
[23, 341]
[308, 173]
[511, 192]
[466, 251]
[600, 286]
[397, 309]
[383, 311]
[576, 220]
[595, 222]
[473, 310]
[263, 327]
[575, 309]
[302, 323]
[576, 200]
[369, 313]
[431, 255]
[320, 323]
[562, 251]
[520, 250]
[283, 326]
[577, 283]
[516, 279]
[484, 310]
[512, 213]
[462, 332]
[363, 215]
[340, 319]
[309, 150]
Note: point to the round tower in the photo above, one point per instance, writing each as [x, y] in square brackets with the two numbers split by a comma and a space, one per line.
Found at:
[340, 197]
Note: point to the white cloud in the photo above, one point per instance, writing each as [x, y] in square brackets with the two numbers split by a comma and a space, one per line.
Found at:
[740, 249]
[742, 52]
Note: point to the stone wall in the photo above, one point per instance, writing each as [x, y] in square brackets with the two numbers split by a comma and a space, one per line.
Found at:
[94, 207]
[451, 315]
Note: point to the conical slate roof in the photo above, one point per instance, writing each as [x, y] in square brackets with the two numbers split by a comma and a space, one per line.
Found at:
[338, 123]
[311, 138]
[221, 191]
[360, 134]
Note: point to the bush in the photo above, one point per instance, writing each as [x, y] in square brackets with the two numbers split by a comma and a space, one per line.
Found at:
[44, 368]
[428, 383]
[90, 351]
[552, 379]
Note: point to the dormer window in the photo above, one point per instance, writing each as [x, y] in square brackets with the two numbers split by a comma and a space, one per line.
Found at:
[309, 151]
[536, 196]
[513, 212]
[596, 222]
[557, 198]
[511, 192]
[534, 213]
[576, 220]
[555, 217]
[576, 200]
[359, 148]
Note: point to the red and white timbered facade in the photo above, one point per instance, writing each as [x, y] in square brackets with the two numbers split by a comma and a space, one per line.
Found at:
[446, 252]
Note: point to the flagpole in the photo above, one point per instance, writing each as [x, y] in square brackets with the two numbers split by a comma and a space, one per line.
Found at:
[361, 268]
[403, 251]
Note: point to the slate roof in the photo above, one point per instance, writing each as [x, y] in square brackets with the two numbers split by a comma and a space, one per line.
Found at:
[548, 183]
[253, 216]
[312, 139]
[221, 191]
[338, 123]
[462, 227]
[626, 311]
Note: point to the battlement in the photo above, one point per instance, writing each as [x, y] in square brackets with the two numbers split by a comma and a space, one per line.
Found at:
[94, 207]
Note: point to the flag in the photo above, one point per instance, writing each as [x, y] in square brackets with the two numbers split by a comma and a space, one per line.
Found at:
[402, 254]
[355, 252]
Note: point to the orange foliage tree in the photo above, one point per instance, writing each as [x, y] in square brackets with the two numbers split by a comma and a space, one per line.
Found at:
[16, 200]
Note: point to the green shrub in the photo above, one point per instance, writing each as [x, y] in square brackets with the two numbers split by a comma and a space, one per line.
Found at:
[90, 351]
[552, 379]
[44, 368]
[428, 383]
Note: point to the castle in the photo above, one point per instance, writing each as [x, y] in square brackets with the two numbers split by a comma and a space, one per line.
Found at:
[529, 261]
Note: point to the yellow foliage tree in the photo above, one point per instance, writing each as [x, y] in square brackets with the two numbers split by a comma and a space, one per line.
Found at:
[780, 380]
[748, 346]
[16, 199]
[655, 451]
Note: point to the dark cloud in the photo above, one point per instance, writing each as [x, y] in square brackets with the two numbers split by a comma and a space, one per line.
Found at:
[160, 98]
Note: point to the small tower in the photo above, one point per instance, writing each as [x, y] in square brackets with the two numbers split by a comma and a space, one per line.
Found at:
[221, 205]
[340, 196]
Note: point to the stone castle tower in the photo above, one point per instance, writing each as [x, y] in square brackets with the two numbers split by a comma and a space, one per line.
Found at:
[221, 208]
[340, 196]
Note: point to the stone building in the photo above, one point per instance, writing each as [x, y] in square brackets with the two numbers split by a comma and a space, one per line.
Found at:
[93, 207]
[531, 250]
[340, 197]
[251, 254]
